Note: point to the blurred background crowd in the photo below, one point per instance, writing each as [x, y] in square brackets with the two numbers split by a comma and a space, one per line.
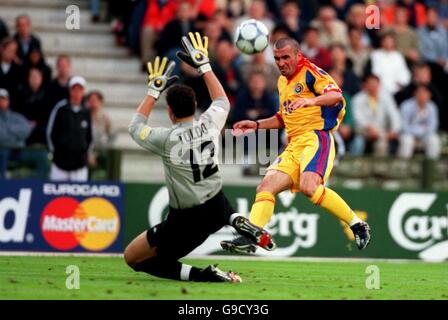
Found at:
[392, 78]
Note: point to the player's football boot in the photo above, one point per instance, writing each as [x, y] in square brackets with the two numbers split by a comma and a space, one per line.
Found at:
[241, 244]
[361, 230]
[212, 273]
[258, 235]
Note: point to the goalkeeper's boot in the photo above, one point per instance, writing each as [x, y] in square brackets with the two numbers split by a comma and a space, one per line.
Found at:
[241, 244]
[212, 273]
[258, 235]
[361, 230]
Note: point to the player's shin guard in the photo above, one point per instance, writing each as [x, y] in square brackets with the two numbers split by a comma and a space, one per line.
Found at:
[167, 269]
[332, 202]
[262, 209]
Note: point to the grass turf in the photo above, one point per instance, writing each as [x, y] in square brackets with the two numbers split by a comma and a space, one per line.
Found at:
[44, 277]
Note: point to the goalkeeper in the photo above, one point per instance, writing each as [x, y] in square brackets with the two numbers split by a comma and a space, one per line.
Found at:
[197, 205]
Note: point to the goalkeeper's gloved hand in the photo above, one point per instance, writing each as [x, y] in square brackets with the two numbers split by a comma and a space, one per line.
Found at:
[158, 79]
[195, 54]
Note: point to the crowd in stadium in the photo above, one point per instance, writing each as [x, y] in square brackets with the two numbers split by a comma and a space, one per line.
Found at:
[392, 77]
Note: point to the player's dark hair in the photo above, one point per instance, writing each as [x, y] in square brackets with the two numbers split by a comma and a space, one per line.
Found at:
[182, 100]
[283, 42]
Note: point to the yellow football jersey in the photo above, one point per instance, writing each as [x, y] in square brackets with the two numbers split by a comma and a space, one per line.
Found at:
[308, 82]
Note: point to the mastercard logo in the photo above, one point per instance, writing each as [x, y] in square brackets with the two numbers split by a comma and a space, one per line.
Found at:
[93, 224]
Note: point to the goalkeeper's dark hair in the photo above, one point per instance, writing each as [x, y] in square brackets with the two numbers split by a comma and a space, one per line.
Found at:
[283, 42]
[182, 100]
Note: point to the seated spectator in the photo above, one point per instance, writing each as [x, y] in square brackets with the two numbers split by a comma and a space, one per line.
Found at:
[14, 129]
[389, 65]
[26, 40]
[35, 107]
[434, 45]
[420, 121]
[405, 37]
[421, 75]
[269, 70]
[171, 35]
[4, 31]
[341, 7]
[257, 10]
[357, 52]
[254, 102]
[312, 49]
[58, 88]
[157, 15]
[346, 128]
[377, 119]
[214, 31]
[290, 19]
[330, 28]
[226, 68]
[10, 72]
[356, 19]
[342, 64]
[36, 59]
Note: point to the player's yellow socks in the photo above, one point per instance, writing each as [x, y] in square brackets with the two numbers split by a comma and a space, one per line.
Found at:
[262, 209]
[330, 200]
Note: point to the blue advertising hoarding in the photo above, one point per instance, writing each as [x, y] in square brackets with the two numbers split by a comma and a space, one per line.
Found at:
[61, 216]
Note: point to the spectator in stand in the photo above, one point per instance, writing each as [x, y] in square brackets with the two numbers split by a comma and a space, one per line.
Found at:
[357, 52]
[35, 107]
[377, 119]
[69, 135]
[95, 6]
[356, 19]
[434, 45]
[311, 48]
[226, 68]
[330, 28]
[290, 19]
[103, 135]
[420, 122]
[214, 32]
[258, 64]
[416, 12]
[421, 75]
[157, 15]
[4, 31]
[58, 88]
[389, 65]
[26, 40]
[346, 128]
[257, 10]
[14, 129]
[342, 8]
[254, 102]
[101, 124]
[405, 37]
[342, 64]
[10, 72]
[225, 24]
[36, 60]
[170, 38]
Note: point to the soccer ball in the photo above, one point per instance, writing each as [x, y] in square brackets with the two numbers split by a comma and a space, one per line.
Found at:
[251, 36]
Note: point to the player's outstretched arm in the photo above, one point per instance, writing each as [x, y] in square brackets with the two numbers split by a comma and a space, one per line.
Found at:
[331, 98]
[247, 126]
[159, 80]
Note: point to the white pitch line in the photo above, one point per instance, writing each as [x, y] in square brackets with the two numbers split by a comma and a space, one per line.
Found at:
[223, 257]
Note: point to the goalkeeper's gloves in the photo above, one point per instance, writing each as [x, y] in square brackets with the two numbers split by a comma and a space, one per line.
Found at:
[158, 79]
[195, 54]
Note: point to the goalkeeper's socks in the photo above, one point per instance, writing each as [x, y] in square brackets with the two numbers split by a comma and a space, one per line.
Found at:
[332, 202]
[262, 209]
[166, 269]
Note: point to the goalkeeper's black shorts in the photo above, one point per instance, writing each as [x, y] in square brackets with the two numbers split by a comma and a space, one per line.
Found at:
[186, 229]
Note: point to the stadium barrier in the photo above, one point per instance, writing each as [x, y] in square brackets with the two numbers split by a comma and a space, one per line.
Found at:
[105, 217]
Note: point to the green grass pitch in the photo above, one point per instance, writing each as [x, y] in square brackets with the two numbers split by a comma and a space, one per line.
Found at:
[44, 277]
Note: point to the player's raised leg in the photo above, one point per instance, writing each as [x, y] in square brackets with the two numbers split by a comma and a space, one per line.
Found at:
[312, 187]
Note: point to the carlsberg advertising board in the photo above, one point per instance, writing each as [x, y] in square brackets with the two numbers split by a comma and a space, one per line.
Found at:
[404, 225]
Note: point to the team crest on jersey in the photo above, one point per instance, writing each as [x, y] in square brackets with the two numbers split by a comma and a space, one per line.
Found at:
[299, 88]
